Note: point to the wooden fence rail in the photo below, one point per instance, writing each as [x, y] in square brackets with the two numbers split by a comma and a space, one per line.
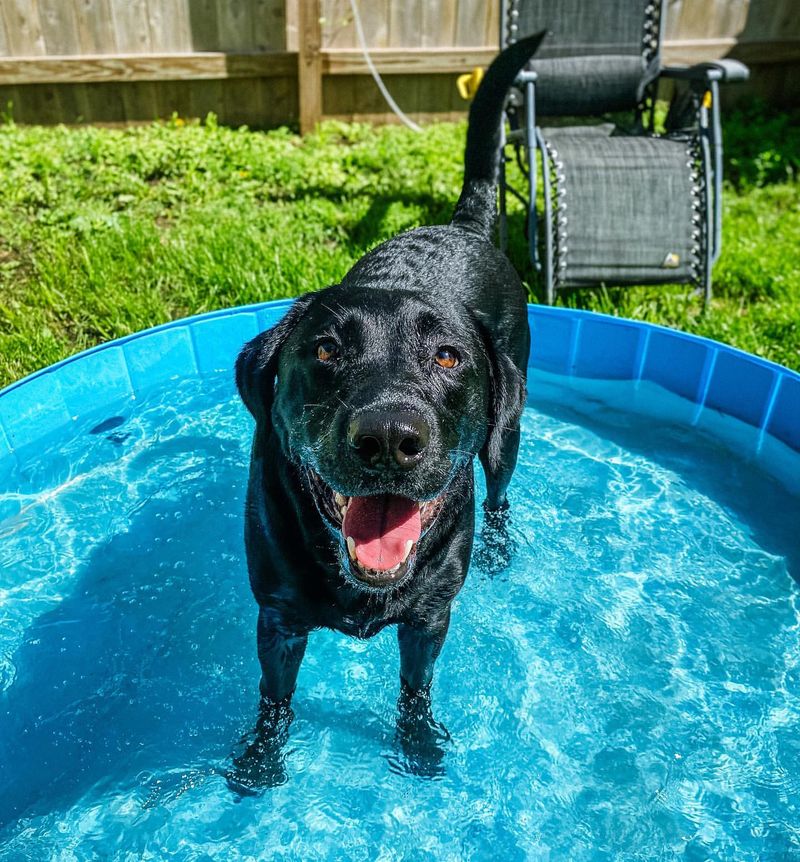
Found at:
[271, 62]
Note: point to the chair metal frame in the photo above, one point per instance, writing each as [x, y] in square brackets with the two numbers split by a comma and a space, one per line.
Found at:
[703, 80]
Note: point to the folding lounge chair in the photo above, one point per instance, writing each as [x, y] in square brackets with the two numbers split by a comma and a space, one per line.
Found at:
[621, 206]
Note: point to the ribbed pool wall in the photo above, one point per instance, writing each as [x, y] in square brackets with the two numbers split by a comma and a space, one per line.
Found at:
[747, 401]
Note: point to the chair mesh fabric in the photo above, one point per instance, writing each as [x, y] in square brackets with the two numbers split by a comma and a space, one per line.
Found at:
[586, 86]
[628, 210]
[597, 57]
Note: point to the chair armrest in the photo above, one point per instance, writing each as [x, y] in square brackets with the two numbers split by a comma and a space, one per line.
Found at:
[526, 77]
[724, 71]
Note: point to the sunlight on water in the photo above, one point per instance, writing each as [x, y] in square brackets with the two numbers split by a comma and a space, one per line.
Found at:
[628, 690]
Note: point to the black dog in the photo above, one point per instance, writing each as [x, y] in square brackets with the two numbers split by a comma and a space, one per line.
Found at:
[360, 505]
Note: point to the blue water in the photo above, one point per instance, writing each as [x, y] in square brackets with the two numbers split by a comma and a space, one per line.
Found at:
[628, 690]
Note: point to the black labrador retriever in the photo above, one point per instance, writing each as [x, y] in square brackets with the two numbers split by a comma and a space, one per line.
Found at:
[360, 503]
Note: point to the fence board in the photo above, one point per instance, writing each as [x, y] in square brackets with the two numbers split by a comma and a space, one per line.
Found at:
[438, 24]
[269, 26]
[59, 27]
[168, 21]
[203, 26]
[404, 30]
[375, 20]
[73, 103]
[673, 13]
[230, 56]
[139, 99]
[144, 67]
[103, 102]
[352, 97]
[3, 38]
[338, 29]
[309, 64]
[470, 24]
[259, 103]
[23, 29]
[392, 61]
[775, 20]
[407, 60]
[95, 28]
[235, 23]
[131, 27]
[491, 23]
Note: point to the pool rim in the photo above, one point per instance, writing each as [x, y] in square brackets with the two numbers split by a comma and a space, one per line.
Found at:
[572, 343]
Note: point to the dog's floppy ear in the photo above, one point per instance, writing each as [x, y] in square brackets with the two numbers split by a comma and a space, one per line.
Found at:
[257, 364]
[506, 400]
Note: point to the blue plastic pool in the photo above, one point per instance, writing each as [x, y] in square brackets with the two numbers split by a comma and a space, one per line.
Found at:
[628, 690]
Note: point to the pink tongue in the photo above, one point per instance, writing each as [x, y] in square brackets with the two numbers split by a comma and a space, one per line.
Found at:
[380, 526]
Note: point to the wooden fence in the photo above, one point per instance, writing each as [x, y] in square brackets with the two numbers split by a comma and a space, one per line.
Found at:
[271, 62]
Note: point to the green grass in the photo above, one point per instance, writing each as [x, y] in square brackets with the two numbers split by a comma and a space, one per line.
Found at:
[104, 232]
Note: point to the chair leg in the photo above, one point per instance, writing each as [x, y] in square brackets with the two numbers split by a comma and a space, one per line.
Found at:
[716, 148]
[709, 218]
[530, 153]
[502, 224]
[549, 287]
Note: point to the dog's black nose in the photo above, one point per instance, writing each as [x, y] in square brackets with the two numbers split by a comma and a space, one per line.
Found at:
[389, 438]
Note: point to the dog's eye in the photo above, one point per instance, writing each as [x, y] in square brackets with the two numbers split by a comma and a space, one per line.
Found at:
[327, 351]
[446, 357]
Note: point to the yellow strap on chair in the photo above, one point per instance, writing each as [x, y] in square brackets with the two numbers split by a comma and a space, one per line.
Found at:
[468, 83]
[707, 99]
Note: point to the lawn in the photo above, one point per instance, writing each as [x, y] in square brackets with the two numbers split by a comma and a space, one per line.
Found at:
[104, 232]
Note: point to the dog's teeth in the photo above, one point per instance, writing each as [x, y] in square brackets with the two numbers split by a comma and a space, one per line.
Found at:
[343, 511]
[340, 500]
[409, 546]
[351, 548]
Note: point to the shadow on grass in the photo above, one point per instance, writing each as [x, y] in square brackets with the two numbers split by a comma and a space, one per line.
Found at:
[761, 146]
[368, 230]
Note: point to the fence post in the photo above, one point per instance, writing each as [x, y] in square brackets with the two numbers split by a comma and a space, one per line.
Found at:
[309, 64]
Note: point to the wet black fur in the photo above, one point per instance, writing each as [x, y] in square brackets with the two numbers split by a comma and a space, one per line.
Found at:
[433, 286]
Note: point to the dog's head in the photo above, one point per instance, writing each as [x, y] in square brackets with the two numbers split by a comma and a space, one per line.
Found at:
[381, 398]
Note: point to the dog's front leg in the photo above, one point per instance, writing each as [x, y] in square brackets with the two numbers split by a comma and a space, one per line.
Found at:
[497, 546]
[419, 649]
[420, 736]
[280, 653]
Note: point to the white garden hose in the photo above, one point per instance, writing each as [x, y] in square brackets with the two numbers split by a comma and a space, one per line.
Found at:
[376, 75]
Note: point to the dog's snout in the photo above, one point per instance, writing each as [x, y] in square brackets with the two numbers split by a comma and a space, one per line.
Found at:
[383, 438]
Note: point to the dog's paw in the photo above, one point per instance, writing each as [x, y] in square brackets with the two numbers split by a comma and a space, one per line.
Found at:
[422, 750]
[260, 767]
[420, 741]
[263, 764]
[497, 546]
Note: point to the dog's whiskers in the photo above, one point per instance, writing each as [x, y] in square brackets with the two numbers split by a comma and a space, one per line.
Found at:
[502, 427]
[342, 402]
[323, 437]
[464, 452]
[337, 316]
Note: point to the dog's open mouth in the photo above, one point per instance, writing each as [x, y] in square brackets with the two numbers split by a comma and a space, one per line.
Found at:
[380, 532]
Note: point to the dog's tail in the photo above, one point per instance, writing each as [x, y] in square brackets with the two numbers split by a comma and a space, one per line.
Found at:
[477, 206]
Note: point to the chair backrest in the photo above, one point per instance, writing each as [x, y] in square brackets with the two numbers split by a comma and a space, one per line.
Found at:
[599, 55]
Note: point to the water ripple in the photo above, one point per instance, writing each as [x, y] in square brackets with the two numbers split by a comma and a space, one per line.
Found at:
[629, 689]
